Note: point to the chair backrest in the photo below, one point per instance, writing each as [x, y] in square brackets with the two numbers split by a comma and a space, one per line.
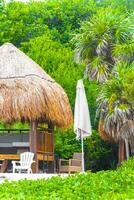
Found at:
[26, 158]
[77, 156]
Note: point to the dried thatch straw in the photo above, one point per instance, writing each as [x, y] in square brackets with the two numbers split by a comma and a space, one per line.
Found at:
[125, 131]
[28, 93]
[105, 136]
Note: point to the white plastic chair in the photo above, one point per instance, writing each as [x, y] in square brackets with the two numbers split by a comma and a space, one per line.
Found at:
[26, 160]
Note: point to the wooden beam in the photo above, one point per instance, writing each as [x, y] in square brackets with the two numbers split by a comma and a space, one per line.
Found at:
[17, 157]
[9, 157]
[45, 157]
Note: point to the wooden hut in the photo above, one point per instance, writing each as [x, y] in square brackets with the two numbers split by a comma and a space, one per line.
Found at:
[28, 94]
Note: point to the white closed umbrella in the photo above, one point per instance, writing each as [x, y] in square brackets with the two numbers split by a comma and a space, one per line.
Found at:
[82, 122]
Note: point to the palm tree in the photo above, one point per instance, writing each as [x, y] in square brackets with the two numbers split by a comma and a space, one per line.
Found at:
[106, 45]
[104, 40]
[116, 112]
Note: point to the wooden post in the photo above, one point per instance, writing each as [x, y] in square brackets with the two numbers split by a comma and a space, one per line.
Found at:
[51, 165]
[4, 166]
[32, 141]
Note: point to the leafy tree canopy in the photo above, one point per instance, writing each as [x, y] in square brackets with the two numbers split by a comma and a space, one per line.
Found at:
[104, 40]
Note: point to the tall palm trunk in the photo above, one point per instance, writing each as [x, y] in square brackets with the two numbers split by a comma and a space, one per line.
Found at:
[121, 152]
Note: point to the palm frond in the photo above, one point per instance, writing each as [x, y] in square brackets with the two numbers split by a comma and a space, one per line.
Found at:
[124, 51]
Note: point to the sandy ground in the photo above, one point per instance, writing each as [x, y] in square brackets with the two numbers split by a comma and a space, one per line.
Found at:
[17, 176]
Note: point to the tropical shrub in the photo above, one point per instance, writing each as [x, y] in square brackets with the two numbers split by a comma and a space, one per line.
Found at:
[115, 106]
[99, 154]
[104, 185]
[66, 143]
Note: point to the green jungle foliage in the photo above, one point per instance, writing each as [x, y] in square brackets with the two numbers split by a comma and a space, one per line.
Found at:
[115, 103]
[99, 155]
[104, 41]
[113, 185]
[44, 31]
[20, 22]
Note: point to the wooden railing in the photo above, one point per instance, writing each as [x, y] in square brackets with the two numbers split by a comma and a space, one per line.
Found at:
[23, 130]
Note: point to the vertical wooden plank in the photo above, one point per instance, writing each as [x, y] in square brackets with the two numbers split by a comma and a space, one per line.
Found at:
[51, 130]
[33, 141]
[51, 165]
[32, 136]
[39, 141]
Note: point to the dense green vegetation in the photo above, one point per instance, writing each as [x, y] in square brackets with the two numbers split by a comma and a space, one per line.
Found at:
[105, 41]
[111, 185]
[67, 37]
[106, 45]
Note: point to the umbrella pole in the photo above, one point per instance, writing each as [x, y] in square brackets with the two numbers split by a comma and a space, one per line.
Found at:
[82, 148]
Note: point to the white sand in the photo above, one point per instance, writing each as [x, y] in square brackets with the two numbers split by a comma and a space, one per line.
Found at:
[17, 176]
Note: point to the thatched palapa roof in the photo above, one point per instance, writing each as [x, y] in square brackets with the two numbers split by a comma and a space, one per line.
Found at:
[28, 93]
